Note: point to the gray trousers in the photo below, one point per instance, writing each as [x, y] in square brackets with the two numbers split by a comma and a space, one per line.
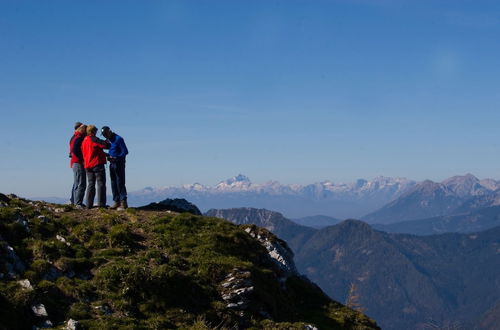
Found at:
[79, 184]
[96, 175]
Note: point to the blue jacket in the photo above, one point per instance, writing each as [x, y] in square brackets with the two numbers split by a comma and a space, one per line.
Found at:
[118, 149]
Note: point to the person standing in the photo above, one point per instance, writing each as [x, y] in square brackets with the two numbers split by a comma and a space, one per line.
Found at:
[76, 163]
[116, 156]
[94, 160]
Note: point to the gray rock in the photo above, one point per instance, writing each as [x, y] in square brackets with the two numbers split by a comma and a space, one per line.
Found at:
[62, 239]
[23, 222]
[43, 218]
[278, 251]
[310, 327]
[104, 309]
[39, 310]
[72, 325]
[237, 289]
[12, 263]
[25, 284]
[47, 324]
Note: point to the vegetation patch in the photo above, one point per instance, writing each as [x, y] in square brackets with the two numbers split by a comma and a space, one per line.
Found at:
[147, 270]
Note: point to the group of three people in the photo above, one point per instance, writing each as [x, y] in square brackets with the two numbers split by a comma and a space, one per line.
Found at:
[88, 161]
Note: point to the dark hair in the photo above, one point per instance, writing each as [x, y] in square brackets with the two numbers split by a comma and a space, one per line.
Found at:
[77, 124]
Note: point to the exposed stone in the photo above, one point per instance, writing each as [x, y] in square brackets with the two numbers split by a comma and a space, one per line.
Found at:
[47, 324]
[23, 222]
[278, 251]
[105, 309]
[43, 218]
[25, 284]
[72, 325]
[62, 239]
[310, 327]
[39, 310]
[237, 289]
[12, 263]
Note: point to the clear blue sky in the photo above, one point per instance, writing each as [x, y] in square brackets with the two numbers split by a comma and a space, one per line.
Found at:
[296, 91]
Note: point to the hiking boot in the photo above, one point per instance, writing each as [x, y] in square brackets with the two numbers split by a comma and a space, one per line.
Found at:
[115, 205]
[123, 206]
[80, 206]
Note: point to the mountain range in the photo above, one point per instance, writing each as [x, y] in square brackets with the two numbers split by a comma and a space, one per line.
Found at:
[339, 200]
[403, 281]
[382, 200]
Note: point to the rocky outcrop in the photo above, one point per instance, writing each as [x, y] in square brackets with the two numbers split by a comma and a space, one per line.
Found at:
[237, 288]
[278, 251]
[179, 205]
[11, 266]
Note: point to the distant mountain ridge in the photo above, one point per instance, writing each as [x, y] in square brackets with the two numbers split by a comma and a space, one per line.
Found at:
[275, 222]
[430, 199]
[317, 221]
[339, 200]
[474, 221]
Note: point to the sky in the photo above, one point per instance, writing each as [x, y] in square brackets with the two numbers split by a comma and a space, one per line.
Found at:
[294, 91]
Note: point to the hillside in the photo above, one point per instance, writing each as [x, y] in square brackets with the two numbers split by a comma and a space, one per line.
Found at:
[474, 221]
[317, 221]
[103, 269]
[294, 234]
[403, 281]
[406, 281]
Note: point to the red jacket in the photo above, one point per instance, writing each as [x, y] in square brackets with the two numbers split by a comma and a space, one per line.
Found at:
[92, 149]
[75, 148]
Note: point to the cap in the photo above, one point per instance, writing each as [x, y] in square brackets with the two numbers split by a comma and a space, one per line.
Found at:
[105, 129]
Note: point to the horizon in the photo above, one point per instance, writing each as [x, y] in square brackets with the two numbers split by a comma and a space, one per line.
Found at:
[290, 91]
[160, 187]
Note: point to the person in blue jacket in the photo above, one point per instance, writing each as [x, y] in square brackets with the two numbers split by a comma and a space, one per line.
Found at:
[116, 157]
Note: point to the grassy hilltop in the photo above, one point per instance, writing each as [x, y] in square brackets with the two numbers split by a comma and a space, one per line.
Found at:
[148, 270]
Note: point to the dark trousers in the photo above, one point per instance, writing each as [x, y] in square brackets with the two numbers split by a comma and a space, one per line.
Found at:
[97, 175]
[79, 184]
[117, 175]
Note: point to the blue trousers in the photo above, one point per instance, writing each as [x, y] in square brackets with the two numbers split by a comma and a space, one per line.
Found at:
[117, 175]
[96, 175]
[79, 184]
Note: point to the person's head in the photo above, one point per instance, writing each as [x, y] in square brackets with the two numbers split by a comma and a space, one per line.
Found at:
[77, 124]
[106, 132]
[91, 130]
[82, 129]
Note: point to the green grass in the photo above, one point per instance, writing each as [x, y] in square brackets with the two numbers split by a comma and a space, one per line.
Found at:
[149, 270]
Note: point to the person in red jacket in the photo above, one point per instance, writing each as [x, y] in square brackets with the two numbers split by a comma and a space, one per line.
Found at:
[76, 163]
[94, 160]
